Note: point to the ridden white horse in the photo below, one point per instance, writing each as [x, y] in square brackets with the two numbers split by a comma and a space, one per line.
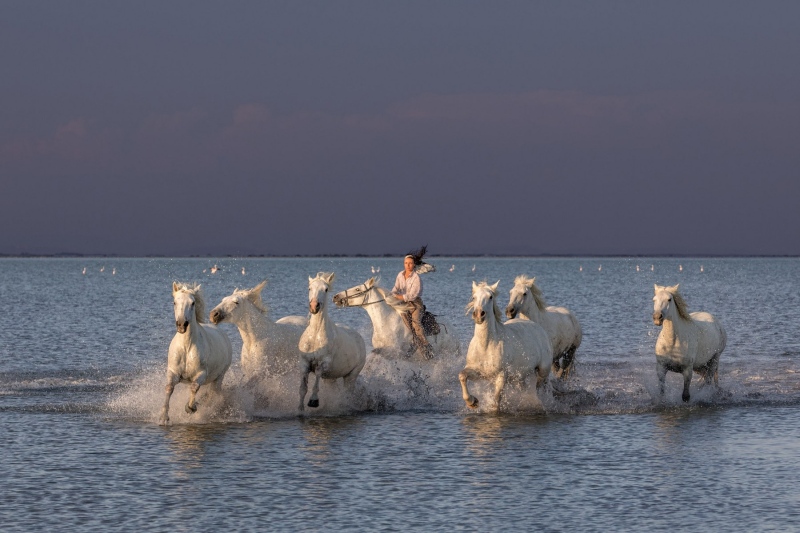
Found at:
[267, 346]
[511, 351]
[688, 342]
[329, 350]
[390, 335]
[199, 353]
[526, 301]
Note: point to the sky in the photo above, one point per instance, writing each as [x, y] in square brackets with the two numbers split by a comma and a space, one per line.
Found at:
[373, 127]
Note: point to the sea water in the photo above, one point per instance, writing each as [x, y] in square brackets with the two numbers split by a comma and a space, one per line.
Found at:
[82, 375]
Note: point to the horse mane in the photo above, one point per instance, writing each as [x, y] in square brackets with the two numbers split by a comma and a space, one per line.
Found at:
[254, 297]
[199, 301]
[323, 276]
[496, 310]
[392, 302]
[680, 303]
[530, 284]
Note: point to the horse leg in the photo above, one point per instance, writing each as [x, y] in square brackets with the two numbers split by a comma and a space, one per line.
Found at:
[661, 372]
[469, 399]
[499, 385]
[191, 405]
[713, 370]
[556, 367]
[568, 362]
[172, 380]
[304, 387]
[687, 380]
[314, 400]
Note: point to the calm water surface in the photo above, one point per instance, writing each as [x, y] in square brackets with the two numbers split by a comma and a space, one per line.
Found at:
[83, 356]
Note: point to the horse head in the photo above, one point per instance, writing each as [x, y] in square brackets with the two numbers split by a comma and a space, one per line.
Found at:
[355, 296]
[318, 290]
[663, 303]
[483, 304]
[188, 305]
[518, 295]
[232, 308]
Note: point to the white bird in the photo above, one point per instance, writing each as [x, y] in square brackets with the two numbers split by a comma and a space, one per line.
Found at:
[452, 267]
[214, 269]
[580, 269]
[84, 271]
[473, 268]
[600, 268]
[701, 268]
[242, 271]
[652, 267]
[373, 269]
[114, 271]
[102, 269]
[637, 268]
[680, 268]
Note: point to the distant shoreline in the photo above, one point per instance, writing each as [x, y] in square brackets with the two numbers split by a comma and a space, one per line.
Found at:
[356, 256]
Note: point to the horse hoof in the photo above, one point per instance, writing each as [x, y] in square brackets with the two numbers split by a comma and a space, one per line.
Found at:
[191, 408]
[685, 397]
[313, 403]
[472, 402]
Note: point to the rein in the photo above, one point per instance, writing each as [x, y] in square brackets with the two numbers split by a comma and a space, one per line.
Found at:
[360, 290]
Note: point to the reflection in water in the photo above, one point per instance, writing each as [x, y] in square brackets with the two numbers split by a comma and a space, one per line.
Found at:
[189, 444]
[485, 433]
[320, 434]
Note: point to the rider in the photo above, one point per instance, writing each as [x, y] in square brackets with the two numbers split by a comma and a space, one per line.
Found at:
[408, 288]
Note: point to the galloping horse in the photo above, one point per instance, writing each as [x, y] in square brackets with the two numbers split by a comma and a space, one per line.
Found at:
[526, 301]
[390, 336]
[514, 350]
[329, 350]
[199, 353]
[688, 342]
[267, 346]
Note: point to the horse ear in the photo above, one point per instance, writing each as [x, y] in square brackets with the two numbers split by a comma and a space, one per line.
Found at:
[329, 279]
[370, 282]
[531, 282]
[674, 288]
[474, 286]
[174, 287]
[655, 287]
[258, 288]
[310, 279]
[494, 287]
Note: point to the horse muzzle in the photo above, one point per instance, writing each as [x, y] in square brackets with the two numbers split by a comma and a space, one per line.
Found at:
[511, 312]
[216, 316]
[479, 316]
[339, 301]
[181, 326]
[314, 307]
[658, 318]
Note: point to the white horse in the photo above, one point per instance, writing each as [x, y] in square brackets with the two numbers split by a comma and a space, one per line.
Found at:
[688, 342]
[390, 335]
[527, 301]
[511, 351]
[329, 350]
[267, 346]
[199, 353]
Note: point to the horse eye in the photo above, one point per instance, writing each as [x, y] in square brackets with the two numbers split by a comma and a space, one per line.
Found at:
[326, 290]
[669, 299]
[490, 297]
[192, 304]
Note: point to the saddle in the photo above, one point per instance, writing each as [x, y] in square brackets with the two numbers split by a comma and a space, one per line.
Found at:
[429, 324]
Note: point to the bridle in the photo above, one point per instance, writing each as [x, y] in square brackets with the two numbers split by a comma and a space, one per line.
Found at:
[343, 299]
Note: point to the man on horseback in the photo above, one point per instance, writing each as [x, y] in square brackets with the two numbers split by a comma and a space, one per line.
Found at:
[408, 288]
